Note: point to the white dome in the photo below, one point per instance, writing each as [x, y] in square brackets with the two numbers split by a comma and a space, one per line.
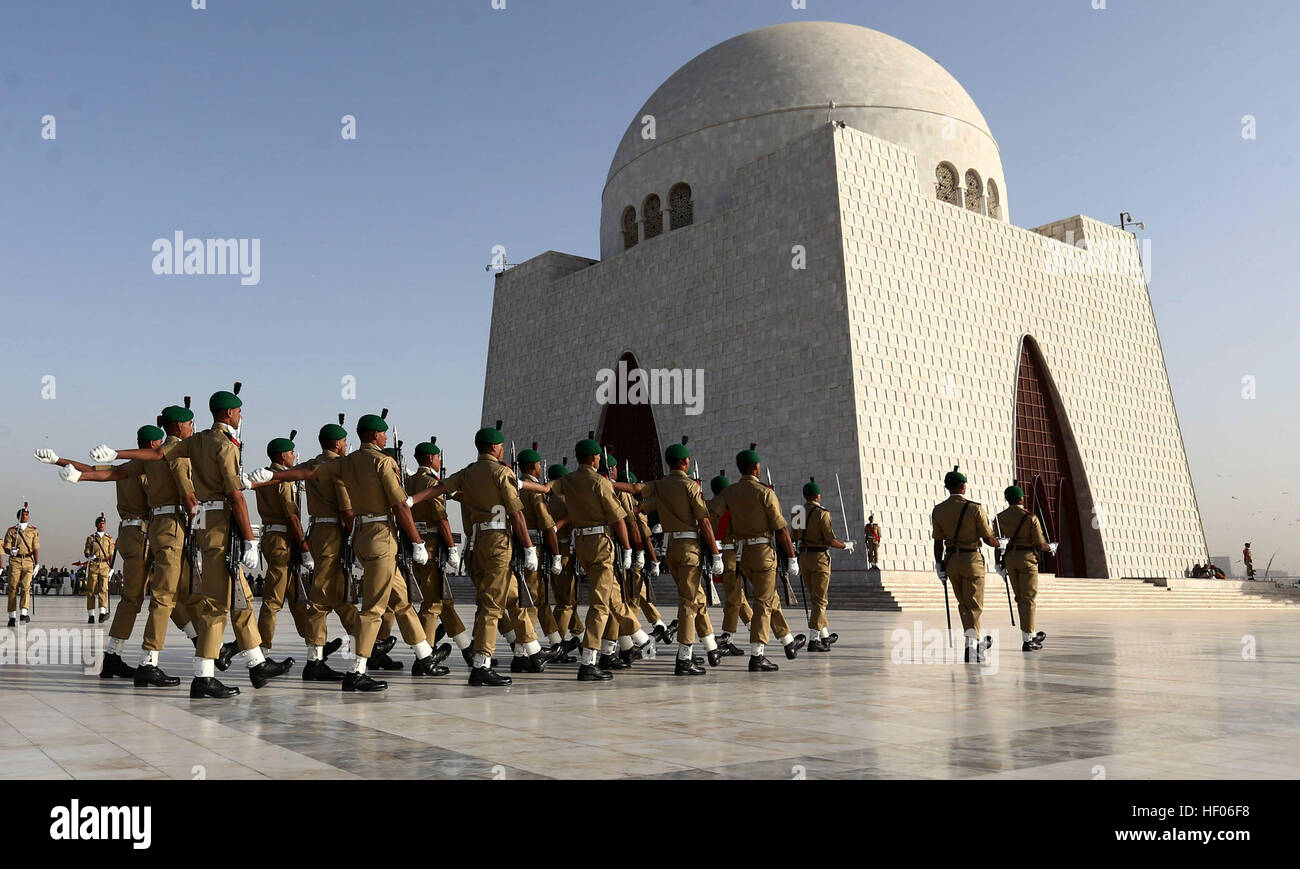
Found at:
[756, 92]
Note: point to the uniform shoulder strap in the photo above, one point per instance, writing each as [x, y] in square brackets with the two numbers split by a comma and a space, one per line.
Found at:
[1015, 534]
[956, 531]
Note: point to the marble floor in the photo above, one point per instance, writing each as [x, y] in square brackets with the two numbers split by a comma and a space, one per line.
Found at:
[1178, 695]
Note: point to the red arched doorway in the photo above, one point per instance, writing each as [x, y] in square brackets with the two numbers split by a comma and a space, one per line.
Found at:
[1049, 469]
[629, 429]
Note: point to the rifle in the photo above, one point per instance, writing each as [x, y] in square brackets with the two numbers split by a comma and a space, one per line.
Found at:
[236, 544]
[444, 546]
[302, 577]
[706, 558]
[516, 549]
[405, 546]
[783, 560]
[544, 562]
[619, 573]
[348, 556]
[1000, 562]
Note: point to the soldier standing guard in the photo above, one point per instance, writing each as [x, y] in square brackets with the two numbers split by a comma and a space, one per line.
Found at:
[1245, 556]
[1021, 562]
[959, 526]
[759, 526]
[816, 538]
[735, 608]
[100, 550]
[872, 534]
[23, 546]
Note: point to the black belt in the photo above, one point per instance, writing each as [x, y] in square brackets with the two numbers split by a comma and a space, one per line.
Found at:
[961, 549]
[815, 548]
[1020, 547]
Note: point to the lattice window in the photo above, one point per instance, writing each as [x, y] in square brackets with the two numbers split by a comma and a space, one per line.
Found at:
[974, 190]
[629, 227]
[995, 201]
[946, 183]
[652, 216]
[681, 210]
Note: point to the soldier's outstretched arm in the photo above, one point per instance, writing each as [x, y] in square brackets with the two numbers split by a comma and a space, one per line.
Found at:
[291, 475]
[630, 488]
[104, 453]
[539, 488]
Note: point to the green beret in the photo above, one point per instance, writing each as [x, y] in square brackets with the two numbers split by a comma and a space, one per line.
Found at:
[631, 477]
[279, 445]
[529, 456]
[427, 448]
[677, 452]
[391, 452]
[745, 458]
[489, 436]
[371, 422]
[332, 432]
[811, 488]
[224, 401]
[586, 448]
[150, 433]
[719, 483]
[622, 476]
[176, 413]
[1014, 493]
[954, 477]
[556, 471]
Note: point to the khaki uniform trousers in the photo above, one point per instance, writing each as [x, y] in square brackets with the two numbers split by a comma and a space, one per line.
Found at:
[96, 585]
[212, 606]
[131, 545]
[20, 578]
[1022, 570]
[434, 607]
[382, 587]
[623, 621]
[493, 584]
[966, 571]
[759, 565]
[692, 606]
[596, 554]
[873, 552]
[735, 608]
[642, 581]
[521, 620]
[815, 568]
[329, 586]
[169, 582]
[566, 595]
[279, 585]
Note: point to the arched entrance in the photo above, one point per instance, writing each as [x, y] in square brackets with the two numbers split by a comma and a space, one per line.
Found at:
[1049, 469]
[629, 429]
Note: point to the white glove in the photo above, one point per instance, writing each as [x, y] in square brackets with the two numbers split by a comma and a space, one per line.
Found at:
[940, 572]
[658, 529]
[638, 560]
[557, 565]
[654, 568]
[256, 477]
[1052, 547]
[49, 457]
[103, 453]
[530, 558]
[717, 565]
[627, 560]
[848, 546]
[251, 553]
[453, 559]
[308, 562]
[69, 474]
[794, 567]
[420, 553]
[1003, 541]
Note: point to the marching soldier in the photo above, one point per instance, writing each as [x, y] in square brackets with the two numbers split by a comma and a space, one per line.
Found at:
[566, 584]
[218, 511]
[624, 639]
[1021, 562]
[431, 522]
[23, 546]
[758, 524]
[685, 520]
[100, 549]
[872, 535]
[643, 577]
[277, 507]
[958, 530]
[541, 528]
[735, 608]
[815, 539]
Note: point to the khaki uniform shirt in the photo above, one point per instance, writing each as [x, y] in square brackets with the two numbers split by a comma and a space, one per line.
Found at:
[372, 479]
[679, 502]
[589, 497]
[755, 510]
[486, 487]
[717, 509]
[26, 542]
[100, 548]
[327, 497]
[537, 515]
[1030, 533]
[817, 533]
[431, 512]
[275, 504]
[974, 525]
[132, 499]
[559, 510]
[214, 463]
[169, 480]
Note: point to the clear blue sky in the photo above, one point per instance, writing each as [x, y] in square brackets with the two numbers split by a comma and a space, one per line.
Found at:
[479, 127]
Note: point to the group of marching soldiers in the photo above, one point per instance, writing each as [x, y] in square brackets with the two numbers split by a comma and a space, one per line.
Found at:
[531, 535]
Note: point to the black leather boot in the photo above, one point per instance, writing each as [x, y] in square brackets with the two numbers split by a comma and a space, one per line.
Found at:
[685, 667]
[715, 656]
[90, 620]
[380, 661]
[485, 677]
[103, 617]
[362, 682]
[207, 687]
[818, 645]
[115, 666]
[226, 655]
[571, 644]
[1031, 645]
[149, 676]
[792, 648]
[331, 647]
[760, 664]
[384, 646]
[610, 662]
[319, 671]
[440, 653]
[13, 622]
[831, 640]
[625, 655]
[268, 670]
[528, 664]
[428, 666]
[589, 673]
